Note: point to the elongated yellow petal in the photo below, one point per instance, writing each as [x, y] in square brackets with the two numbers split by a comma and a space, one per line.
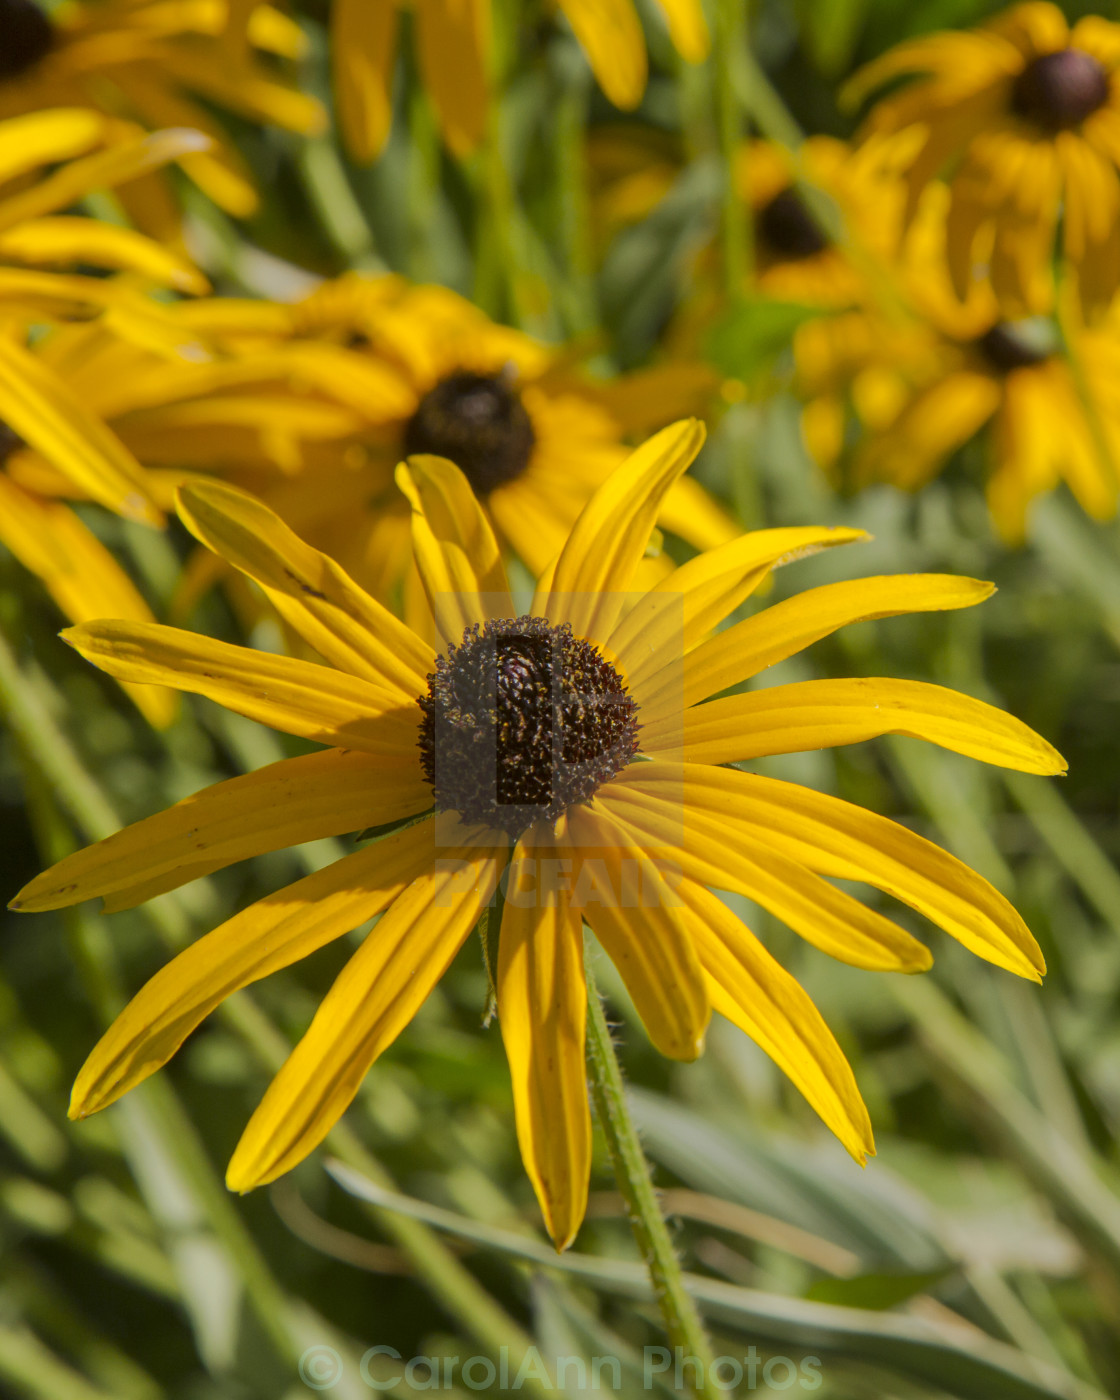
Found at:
[712, 854]
[79, 573]
[453, 44]
[634, 913]
[454, 547]
[687, 28]
[363, 47]
[69, 240]
[42, 138]
[682, 609]
[99, 172]
[822, 714]
[37, 406]
[790, 626]
[312, 594]
[542, 1010]
[372, 1000]
[753, 990]
[273, 933]
[835, 838]
[298, 697]
[283, 804]
[607, 542]
[612, 39]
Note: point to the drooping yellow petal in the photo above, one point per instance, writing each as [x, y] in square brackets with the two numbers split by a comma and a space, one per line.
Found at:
[454, 547]
[273, 933]
[79, 573]
[298, 697]
[612, 39]
[363, 47]
[38, 407]
[607, 542]
[542, 1009]
[711, 854]
[754, 991]
[99, 172]
[42, 138]
[837, 839]
[788, 627]
[283, 804]
[687, 28]
[373, 998]
[313, 595]
[822, 714]
[634, 913]
[453, 49]
[68, 240]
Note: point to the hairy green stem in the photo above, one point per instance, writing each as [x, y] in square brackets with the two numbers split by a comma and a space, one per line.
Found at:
[682, 1321]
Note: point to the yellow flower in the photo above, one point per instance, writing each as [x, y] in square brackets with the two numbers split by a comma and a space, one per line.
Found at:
[922, 386]
[310, 406]
[43, 422]
[578, 732]
[453, 52]
[1025, 114]
[149, 60]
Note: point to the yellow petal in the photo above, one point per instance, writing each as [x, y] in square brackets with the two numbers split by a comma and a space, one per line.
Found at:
[363, 47]
[99, 172]
[273, 933]
[283, 804]
[612, 39]
[312, 594]
[38, 407]
[542, 1008]
[634, 913]
[687, 28]
[69, 240]
[822, 714]
[754, 991]
[453, 49]
[788, 627]
[607, 542]
[373, 998]
[297, 697]
[42, 138]
[454, 547]
[683, 608]
[710, 853]
[79, 573]
[837, 839]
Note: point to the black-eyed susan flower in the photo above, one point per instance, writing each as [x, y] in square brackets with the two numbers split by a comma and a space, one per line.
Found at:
[150, 62]
[579, 732]
[1023, 115]
[47, 430]
[918, 386]
[310, 406]
[453, 54]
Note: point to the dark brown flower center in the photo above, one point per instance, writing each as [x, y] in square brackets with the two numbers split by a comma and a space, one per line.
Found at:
[1011, 345]
[1059, 90]
[788, 229]
[26, 36]
[522, 720]
[480, 423]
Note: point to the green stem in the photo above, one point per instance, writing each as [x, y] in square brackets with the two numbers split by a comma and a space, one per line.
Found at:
[682, 1321]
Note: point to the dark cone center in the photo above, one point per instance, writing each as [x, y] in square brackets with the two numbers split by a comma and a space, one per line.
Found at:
[521, 721]
[480, 423]
[788, 229]
[1059, 90]
[26, 36]
[1007, 347]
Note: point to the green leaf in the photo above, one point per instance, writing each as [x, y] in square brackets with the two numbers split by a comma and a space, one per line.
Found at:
[876, 1292]
[753, 334]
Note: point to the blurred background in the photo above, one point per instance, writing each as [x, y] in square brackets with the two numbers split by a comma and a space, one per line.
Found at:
[978, 1255]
